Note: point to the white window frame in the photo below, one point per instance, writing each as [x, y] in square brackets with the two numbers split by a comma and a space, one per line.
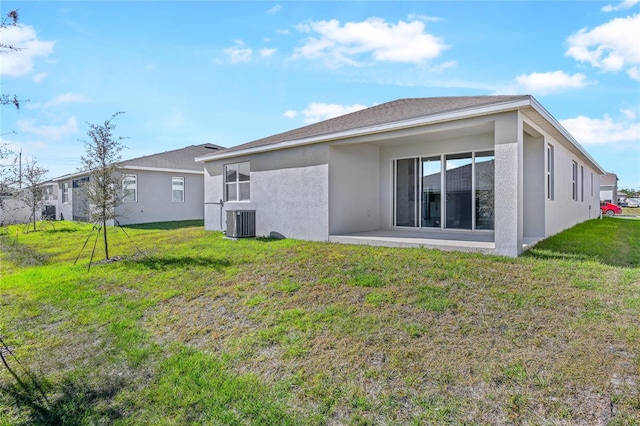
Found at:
[130, 187]
[574, 180]
[581, 183]
[65, 193]
[550, 179]
[232, 188]
[179, 189]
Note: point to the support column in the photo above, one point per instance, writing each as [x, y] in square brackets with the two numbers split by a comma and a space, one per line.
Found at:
[509, 184]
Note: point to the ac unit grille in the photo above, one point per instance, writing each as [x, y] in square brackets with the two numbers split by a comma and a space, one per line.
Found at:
[241, 223]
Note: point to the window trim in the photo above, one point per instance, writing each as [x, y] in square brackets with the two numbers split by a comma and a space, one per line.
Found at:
[574, 180]
[550, 167]
[65, 193]
[135, 189]
[237, 183]
[182, 190]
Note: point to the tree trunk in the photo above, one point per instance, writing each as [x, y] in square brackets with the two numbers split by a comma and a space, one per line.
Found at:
[106, 244]
[34, 219]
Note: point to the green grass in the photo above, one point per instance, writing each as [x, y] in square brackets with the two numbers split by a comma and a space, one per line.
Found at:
[187, 327]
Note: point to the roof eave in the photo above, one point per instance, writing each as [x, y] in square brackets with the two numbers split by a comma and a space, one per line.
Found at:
[555, 123]
[380, 128]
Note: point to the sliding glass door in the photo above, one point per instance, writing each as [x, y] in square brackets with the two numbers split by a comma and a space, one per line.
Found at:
[431, 190]
[465, 180]
[405, 192]
[458, 185]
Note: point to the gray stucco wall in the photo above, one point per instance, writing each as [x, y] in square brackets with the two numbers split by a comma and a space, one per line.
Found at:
[289, 192]
[155, 203]
[354, 188]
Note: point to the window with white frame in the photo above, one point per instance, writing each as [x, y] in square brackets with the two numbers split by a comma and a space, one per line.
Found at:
[574, 180]
[550, 172]
[237, 183]
[581, 183]
[130, 188]
[177, 189]
[65, 192]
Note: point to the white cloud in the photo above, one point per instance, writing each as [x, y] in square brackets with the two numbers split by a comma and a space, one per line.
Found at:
[550, 82]
[339, 44]
[49, 133]
[318, 111]
[290, 114]
[611, 47]
[267, 52]
[599, 131]
[20, 63]
[623, 5]
[630, 114]
[67, 98]
[274, 9]
[239, 53]
[283, 32]
[37, 78]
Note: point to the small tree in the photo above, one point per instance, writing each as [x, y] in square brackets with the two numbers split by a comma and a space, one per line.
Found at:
[104, 187]
[32, 177]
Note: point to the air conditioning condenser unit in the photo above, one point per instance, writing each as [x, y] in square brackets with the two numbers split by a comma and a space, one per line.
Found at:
[241, 223]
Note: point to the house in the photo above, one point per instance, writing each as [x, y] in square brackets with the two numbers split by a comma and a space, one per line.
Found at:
[609, 188]
[14, 210]
[162, 187]
[480, 173]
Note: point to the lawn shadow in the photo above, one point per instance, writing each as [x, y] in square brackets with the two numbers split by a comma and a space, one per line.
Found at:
[171, 262]
[71, 403]
[167, 225]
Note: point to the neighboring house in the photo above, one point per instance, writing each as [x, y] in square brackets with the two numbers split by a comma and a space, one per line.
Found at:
[609, 188]
[13, 210]
[156, 188]
[481, 173]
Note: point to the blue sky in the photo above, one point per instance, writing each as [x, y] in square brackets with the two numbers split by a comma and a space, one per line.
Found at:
[227, 73]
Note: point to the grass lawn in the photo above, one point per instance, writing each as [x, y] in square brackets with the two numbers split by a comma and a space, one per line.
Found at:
[187, 327]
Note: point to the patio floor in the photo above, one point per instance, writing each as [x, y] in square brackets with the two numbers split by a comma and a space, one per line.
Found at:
[447, 241]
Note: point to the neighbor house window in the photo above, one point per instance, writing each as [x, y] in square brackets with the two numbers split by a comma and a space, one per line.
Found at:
[549, 172]
[574, 180]
[237, 183]
[65, 192]
[177, 189]
[130, 188]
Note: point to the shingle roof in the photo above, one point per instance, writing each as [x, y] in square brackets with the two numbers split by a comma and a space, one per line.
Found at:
[390, 112]
[609, 179]
[182, 159]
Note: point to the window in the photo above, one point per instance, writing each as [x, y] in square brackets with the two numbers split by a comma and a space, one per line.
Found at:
[581, 183]
[549, 172]
[574, 180]
[130, 188]
[65, 192]
[177, 189]
[237, 181]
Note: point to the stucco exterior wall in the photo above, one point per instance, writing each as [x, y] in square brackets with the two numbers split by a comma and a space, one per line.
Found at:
[563, 212]
[354, 193]
[534, 187]
[154, 202]
[65, 209]
[289, 191]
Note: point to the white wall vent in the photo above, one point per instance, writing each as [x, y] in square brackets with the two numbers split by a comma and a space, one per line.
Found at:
[241, 223]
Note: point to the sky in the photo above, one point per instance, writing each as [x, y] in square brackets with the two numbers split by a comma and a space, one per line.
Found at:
[226, 73]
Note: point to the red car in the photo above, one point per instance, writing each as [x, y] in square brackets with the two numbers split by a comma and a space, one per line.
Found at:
[610, 209]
